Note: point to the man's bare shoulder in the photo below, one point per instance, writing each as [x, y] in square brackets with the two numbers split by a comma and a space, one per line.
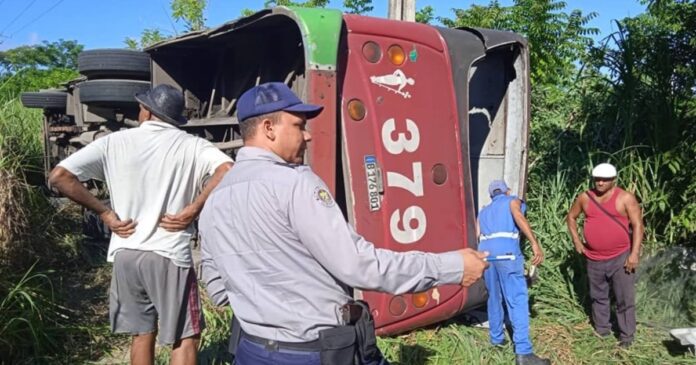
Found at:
[626, 196]
[581, 197]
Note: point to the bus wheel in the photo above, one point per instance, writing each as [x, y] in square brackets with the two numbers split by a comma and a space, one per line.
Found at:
[111, 93]
[114, 63]
[44, 99]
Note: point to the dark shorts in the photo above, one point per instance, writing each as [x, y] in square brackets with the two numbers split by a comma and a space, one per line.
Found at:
[147, 288]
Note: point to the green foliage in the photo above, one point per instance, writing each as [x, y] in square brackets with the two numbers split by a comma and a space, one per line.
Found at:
[305, 4]
[61, 54]
[190, 12]
[248, 12]
[29, 68]
[31, 322]
[557, 39]
[648, 64]
[425, 15]
[147, 38]
[492, 16]
[358, 6]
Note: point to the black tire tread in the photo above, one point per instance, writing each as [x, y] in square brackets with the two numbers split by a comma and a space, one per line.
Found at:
[113, 63]
[106, 92]
[44, 99]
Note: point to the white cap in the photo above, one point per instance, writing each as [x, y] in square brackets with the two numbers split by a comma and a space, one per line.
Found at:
[604, 170]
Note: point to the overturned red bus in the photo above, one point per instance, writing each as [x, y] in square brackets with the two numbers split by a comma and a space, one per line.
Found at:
[417, 120]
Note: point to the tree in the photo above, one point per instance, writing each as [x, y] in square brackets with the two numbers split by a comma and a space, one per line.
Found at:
[358, 6]
[147, 38]
[190, 12]
[59, 54]
[305, 4]
[38, 67]
[425, 15]
[557, 39]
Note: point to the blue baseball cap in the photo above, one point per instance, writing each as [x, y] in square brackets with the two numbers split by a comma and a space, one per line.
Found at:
[497, 185]
[272, 97]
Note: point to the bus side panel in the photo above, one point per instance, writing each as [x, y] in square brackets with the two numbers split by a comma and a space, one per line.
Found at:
[321, 151]
[406, 152]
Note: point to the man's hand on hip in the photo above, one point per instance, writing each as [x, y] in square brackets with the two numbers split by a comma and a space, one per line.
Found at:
[473, 265]
[121, 228]
[179, 221]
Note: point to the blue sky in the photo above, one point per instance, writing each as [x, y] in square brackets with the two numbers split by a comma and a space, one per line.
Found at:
[106, 23]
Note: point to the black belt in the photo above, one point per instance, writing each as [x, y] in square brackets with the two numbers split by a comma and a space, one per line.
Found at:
[273, 345]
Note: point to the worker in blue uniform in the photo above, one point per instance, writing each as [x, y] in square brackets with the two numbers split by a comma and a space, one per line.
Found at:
[500, 224]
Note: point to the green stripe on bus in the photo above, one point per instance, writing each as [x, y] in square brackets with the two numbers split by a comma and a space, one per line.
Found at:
[321, 31]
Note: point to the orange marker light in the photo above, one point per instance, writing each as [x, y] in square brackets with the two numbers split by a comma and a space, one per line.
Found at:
[356, 109]
[420, 300]
[396, 55]
[372, 52]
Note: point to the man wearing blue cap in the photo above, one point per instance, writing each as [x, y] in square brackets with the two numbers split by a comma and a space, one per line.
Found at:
[156, 175]
[276, 245]
[499, 224]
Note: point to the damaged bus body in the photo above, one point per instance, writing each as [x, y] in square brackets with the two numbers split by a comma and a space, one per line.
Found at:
[417, 121]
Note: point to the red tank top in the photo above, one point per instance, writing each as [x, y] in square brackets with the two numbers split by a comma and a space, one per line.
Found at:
[604, 237]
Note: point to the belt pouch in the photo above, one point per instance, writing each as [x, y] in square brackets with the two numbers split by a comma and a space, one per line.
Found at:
[366, 338]
[337, 346]
[235, 336]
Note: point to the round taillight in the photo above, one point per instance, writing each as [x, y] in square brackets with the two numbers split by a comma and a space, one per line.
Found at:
[397, 305]
[356, 109]
[396, 55]
[420, 299]
[372, 52]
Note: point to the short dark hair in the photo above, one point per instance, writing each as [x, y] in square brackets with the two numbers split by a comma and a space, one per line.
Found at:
[247, 127]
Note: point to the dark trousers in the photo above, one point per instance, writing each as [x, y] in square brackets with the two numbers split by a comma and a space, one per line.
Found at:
[250, 353]
[601, 274]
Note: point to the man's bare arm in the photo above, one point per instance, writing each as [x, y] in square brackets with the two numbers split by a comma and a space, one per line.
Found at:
[571, 221]
[68, 184]
[635, 216]
[182, 219]
[523, 225]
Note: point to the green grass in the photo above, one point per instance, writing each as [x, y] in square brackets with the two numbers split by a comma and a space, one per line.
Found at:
[562, 340]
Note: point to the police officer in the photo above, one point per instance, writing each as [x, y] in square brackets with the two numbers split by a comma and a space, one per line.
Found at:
[273, 236]
[500, 223]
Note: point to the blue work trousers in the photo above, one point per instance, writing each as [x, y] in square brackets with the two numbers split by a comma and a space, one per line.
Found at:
[505, 282]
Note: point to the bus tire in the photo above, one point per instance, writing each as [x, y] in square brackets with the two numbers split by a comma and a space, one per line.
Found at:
[114, 63]
[111, 92]
[44, 99]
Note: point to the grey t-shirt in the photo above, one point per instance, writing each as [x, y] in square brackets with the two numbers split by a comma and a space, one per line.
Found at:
[276, 245]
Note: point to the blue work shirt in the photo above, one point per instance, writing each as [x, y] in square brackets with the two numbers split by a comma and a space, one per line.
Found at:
[499, 233]
[276, 245]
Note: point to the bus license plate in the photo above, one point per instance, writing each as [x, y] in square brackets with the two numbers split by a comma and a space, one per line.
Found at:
[373, 183]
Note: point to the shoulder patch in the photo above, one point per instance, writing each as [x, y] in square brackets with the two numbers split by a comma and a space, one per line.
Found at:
[323, 196]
